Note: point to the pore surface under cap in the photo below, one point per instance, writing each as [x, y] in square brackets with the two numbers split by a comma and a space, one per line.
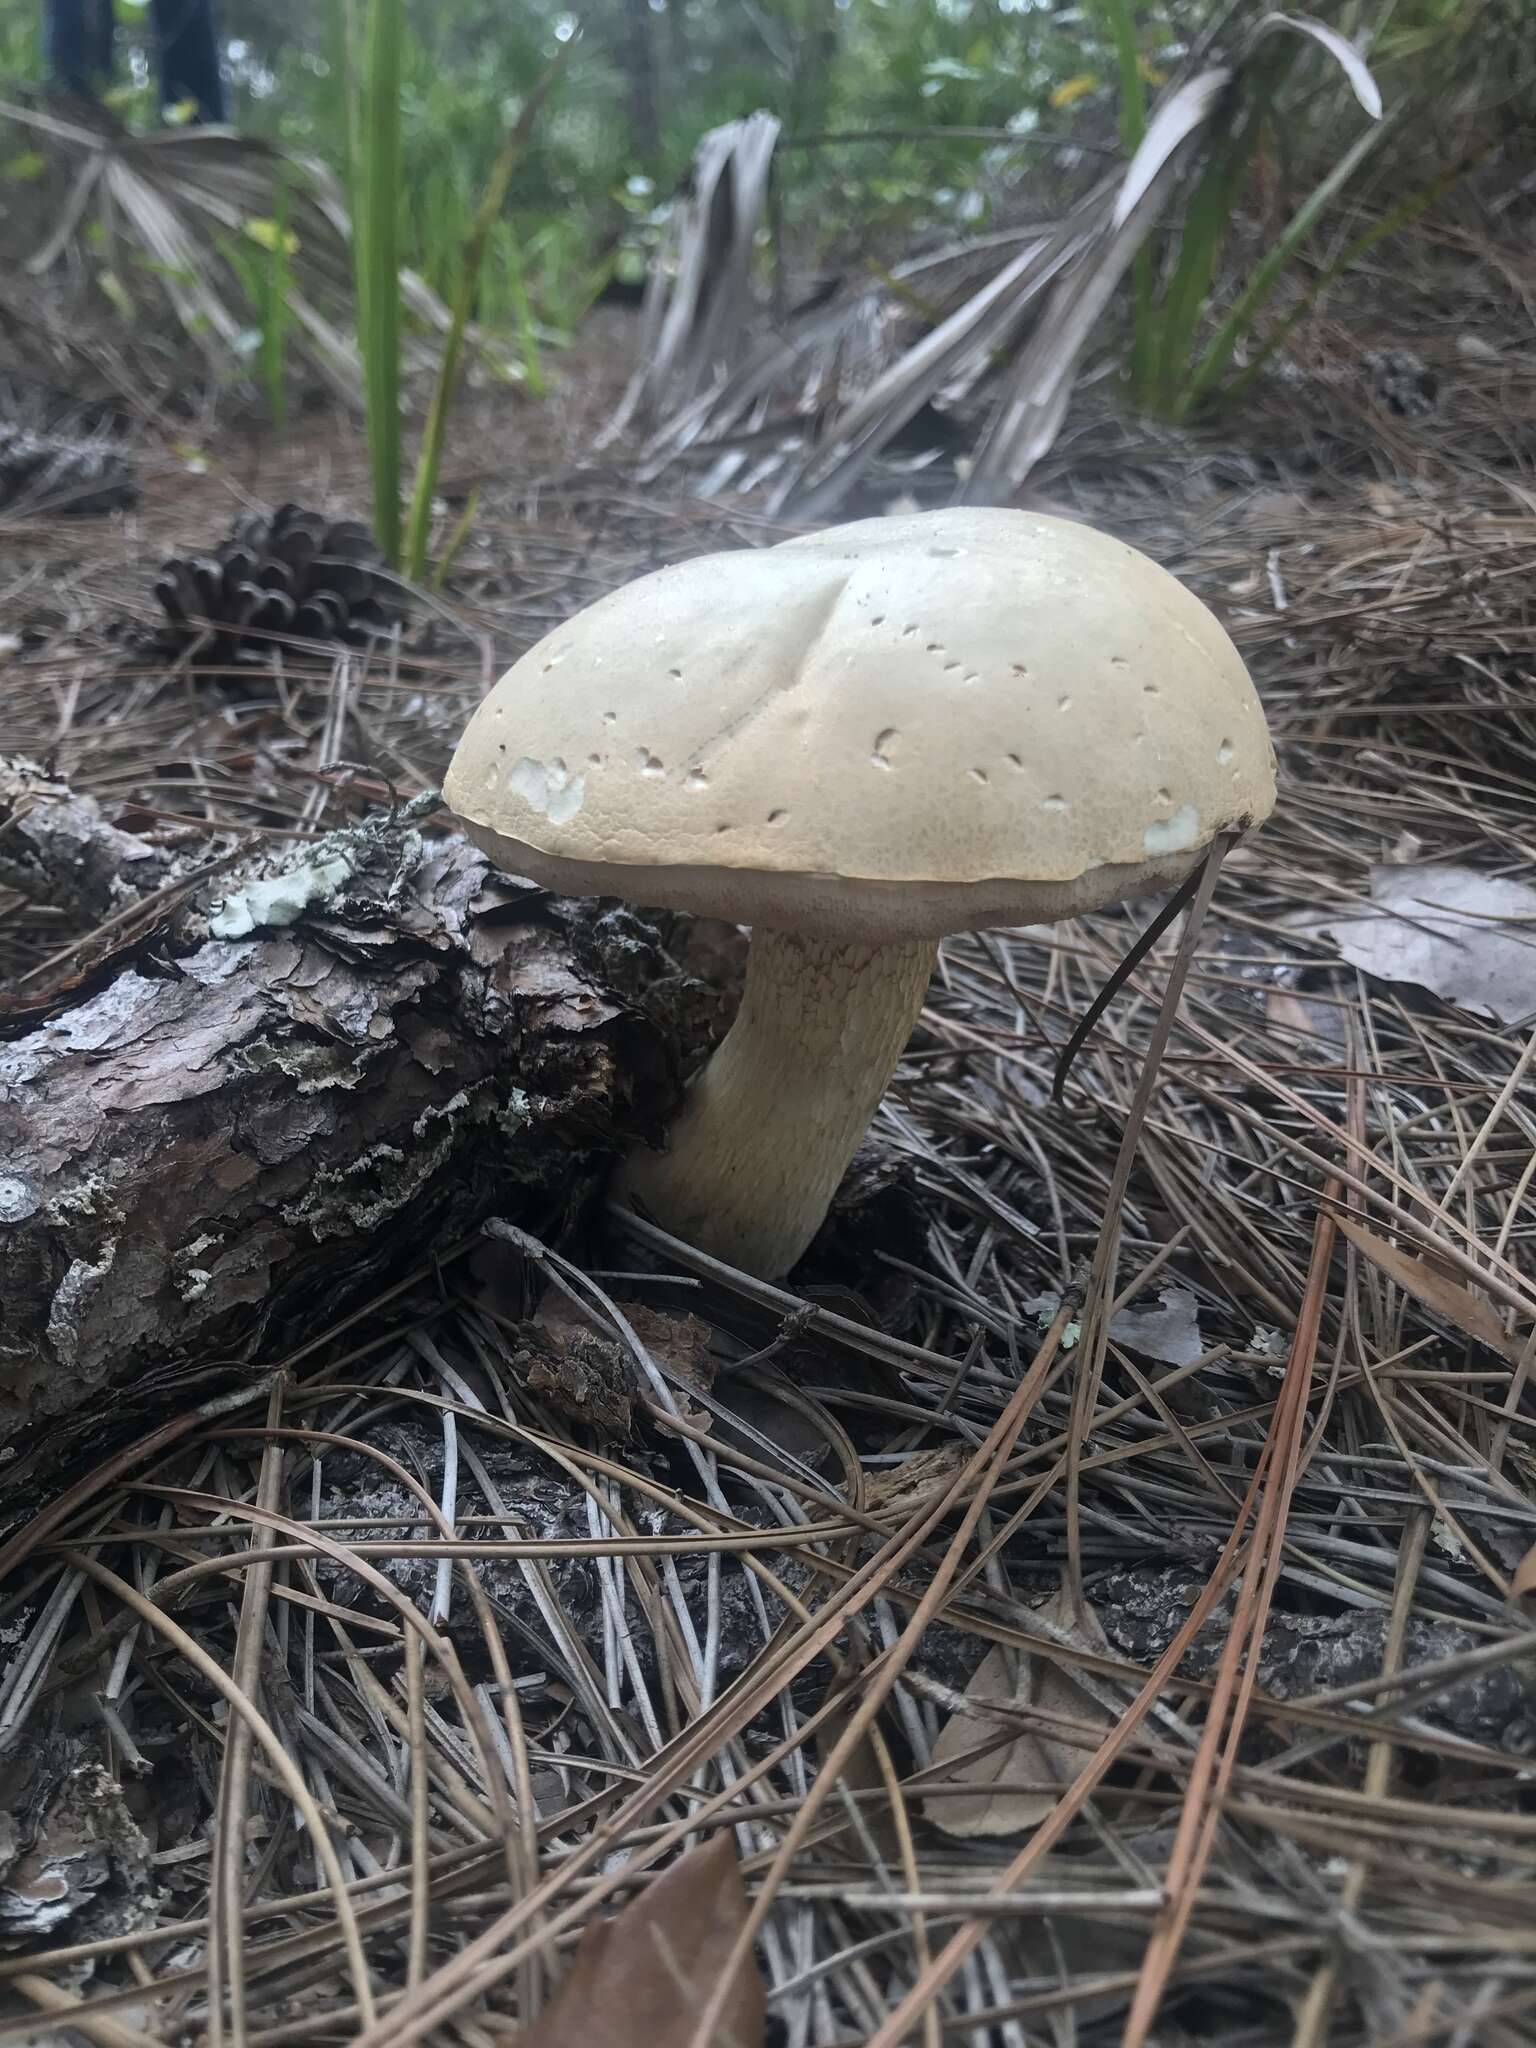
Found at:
[952, 698]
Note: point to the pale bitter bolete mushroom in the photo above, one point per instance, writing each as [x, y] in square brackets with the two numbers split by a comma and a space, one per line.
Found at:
[856, 742]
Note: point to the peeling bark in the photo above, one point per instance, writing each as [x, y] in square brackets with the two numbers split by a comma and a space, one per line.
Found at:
[73, 1861]
[288, 1096]
[1143, 1605]
[56, 847]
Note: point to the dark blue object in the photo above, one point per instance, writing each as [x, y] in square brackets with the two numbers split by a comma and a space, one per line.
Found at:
[188, 40]
[78, 43]
[78, 38]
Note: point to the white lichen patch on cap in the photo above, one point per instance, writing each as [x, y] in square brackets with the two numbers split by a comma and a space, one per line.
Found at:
[548, 787]
[968, 699]
[1176, 834]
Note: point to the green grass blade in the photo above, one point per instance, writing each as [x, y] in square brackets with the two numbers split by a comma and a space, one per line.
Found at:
[1217, 195]
[1239, 321]
[341, 97]
[377, 238]
[522, 311]
[274, 326]
[429, 459]
[1133, 125]
[1216, 192]
[1120, 19]
[455, 539]
[1401, 216]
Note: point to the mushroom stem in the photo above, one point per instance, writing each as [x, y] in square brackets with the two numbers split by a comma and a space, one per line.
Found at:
[771, 1123]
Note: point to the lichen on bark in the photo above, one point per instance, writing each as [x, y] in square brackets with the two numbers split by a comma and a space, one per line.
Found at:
[228, 1140]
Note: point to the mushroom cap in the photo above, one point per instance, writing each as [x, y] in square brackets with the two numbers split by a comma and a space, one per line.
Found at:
[895, 729]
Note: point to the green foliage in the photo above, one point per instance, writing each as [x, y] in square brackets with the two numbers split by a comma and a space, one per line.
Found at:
[1290, 99]
[1202, 377]
[410, 108]
[1133, 125]
[471, 259]
[1170, 372]
[376, 254]
[464, 70]
[337, 74]
[916, 66]
[261, 257]
[1168, 321]
[274, 324]
[910, 71]
[20, 39]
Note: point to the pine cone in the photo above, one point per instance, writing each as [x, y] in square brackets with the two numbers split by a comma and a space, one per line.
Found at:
[296, 573]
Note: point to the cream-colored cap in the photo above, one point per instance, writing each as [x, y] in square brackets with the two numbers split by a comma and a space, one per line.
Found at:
[895, 729]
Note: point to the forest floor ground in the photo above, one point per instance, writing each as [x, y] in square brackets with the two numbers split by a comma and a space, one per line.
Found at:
[1291, 1466]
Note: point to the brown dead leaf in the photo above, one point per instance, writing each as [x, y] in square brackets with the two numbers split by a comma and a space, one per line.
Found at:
[1463, 935]
[1007, 1678]
[1288, 1011]
[861, 1774]
[765, 1411]
[641, 1979]
[581, 1375]
[901, 1491]
[1523, 1585]
[592, 1378]
[1431, 1288]
[560, 1319]
[680, 1346]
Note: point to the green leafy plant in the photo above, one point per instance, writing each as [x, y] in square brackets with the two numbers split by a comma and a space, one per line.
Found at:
[460, 241]
[1392, 222]
[262, 258]
[274, 326]
[376, 258]
[472, 258]
[339, 70]
[171, 210]
[1171, 372]
[504, 298]
[556, 278]
[1044, 296]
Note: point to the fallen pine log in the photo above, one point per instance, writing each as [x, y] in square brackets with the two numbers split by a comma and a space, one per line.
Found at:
[276, 1100]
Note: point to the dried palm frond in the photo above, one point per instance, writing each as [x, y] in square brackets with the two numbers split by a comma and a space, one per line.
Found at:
[1028, 415]
[793, 416]
[1381, 1783]
[295, 574]
[845, 361]
[172, 207]
[698, 304]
